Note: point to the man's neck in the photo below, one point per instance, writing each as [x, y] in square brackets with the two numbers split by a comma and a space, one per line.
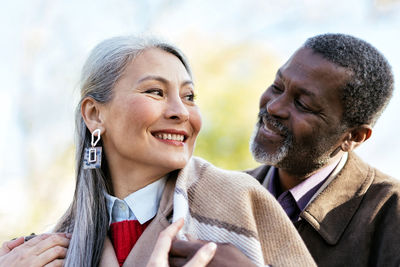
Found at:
[288, 180]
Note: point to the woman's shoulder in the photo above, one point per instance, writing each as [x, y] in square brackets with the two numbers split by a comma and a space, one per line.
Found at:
[218, 193]
[204, 171]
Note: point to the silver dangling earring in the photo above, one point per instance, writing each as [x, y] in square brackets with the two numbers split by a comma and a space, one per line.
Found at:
[92, 157]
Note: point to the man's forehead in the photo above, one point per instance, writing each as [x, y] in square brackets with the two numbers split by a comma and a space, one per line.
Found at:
[309, 66]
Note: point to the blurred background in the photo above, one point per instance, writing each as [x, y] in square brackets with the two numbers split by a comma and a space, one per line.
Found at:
[235, 48]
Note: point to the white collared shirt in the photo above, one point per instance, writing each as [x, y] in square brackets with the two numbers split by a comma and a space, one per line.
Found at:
[141, 205]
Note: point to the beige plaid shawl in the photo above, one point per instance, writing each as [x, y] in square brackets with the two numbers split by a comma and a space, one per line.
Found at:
[232, 207]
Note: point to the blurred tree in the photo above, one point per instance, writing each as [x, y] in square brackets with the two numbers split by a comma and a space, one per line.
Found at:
[230, 79]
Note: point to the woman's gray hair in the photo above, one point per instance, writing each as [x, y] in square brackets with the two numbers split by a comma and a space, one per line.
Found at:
[87, 217]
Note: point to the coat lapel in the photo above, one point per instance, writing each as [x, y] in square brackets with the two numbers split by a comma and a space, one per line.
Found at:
[141, 252]
[108, 257]
[331, 211]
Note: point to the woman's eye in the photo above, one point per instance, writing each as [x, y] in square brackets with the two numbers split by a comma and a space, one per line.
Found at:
[155, 91]
[190, 97]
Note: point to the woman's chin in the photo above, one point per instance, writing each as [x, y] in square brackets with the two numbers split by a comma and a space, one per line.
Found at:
[176, 163]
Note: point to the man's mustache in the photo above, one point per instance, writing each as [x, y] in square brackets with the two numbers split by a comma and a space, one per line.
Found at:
[264, 115]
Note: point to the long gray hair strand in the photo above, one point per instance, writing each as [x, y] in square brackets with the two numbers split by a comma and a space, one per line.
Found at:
[87, 217]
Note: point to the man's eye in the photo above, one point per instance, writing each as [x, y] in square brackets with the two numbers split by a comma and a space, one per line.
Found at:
[276, 89]
[302, 107]
[155, 91]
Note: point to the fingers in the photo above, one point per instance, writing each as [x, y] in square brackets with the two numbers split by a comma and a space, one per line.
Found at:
[159, 257]
[43, 250]
[47, 241]
[34, 241]
[39, 238]
[164, 240]
[9, 245]
[172, 230]
[203, 256]
[50, 248]
[51, 255]
[55, 263]
[15, 243]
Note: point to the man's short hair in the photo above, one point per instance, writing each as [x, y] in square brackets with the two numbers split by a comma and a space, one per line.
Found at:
[370, 86]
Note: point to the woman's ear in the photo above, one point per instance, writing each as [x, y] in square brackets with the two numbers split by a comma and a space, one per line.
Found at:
[356, 137]
[91, 114]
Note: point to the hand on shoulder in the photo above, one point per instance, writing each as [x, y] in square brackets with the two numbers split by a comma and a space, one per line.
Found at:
[45, 249]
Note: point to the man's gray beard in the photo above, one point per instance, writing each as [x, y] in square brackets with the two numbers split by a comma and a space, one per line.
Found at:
[261, 156]
[299, 161]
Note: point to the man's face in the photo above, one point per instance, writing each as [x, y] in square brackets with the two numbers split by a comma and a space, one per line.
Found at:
[299, 124]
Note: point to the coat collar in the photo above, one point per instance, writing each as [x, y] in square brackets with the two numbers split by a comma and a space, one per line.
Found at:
[141, 252]
[259, 173]
[331, 211]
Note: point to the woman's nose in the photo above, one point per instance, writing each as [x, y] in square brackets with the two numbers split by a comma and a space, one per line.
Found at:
[176, 109]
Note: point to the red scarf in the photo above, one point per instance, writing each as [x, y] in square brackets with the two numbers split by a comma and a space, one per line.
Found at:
[124, 236]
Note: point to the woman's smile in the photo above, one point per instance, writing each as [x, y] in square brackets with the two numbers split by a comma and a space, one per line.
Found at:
[171, 137]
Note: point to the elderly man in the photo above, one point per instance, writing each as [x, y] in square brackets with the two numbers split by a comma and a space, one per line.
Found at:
[322, 105]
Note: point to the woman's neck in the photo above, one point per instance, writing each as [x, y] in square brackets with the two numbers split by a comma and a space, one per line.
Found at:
[125, 181]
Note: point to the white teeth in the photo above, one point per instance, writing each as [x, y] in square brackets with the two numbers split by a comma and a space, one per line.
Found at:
[175, 137]
[269, 129]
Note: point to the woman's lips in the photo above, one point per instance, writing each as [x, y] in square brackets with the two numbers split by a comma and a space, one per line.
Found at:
[171, 137]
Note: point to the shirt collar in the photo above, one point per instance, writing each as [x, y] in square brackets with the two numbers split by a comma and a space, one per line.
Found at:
[143, 203]
[300, 191]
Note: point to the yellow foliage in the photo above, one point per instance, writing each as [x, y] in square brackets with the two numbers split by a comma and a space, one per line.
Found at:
[230, 81]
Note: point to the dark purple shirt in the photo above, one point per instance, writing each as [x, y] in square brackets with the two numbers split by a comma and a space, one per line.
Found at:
[295, 200]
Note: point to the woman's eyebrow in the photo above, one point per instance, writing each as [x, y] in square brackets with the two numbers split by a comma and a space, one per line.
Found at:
[153, 77]
[162, 80]
[187, 82]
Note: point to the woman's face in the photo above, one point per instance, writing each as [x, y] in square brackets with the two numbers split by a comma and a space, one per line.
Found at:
[152, 121]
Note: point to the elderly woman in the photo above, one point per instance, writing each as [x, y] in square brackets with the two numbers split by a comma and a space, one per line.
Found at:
[137, 123]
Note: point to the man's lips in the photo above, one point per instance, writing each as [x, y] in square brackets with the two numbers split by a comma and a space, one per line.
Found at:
[270, 128]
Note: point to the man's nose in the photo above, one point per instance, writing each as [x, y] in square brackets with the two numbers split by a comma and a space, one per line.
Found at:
[278, 106]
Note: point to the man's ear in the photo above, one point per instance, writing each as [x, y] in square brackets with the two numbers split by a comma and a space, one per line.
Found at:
[356, 137]
[91, 114]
